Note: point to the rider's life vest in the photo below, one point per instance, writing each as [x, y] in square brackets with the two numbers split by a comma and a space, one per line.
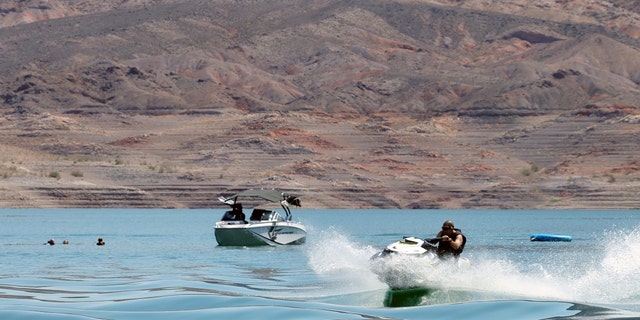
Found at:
[444, 248]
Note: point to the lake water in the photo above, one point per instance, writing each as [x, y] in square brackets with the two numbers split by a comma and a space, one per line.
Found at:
[165, 264]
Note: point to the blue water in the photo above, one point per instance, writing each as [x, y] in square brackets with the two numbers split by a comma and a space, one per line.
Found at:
[165, 264]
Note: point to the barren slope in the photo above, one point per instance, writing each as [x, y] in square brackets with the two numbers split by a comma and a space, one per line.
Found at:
[391, 104]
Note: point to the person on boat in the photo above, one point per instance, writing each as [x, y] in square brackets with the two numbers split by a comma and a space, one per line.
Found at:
[239, 215]
[51, 242]
[235, 214]
[451, 241]
[100, 242]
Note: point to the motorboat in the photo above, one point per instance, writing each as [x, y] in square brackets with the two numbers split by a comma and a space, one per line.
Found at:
[265, 226]
[414, 263]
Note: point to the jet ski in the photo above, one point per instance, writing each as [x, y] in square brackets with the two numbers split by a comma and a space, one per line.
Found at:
[414, 263]
[411, 246]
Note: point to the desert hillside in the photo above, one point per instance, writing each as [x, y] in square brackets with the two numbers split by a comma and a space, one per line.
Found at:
[349, 104]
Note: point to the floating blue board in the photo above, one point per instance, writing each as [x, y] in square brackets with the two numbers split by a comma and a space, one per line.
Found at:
[549, 237]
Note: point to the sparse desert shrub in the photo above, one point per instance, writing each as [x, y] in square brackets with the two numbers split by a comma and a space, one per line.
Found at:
[54, 174]
[528, 171]
[77, 173]
[8, 172]
[170, 169]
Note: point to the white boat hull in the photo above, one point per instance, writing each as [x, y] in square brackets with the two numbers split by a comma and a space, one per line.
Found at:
[271, 233]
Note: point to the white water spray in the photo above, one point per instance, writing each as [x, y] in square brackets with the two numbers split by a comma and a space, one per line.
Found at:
[334, 255]
[598, 277]
[582, 277]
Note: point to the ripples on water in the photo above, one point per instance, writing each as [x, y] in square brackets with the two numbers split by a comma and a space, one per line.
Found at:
[164, 264]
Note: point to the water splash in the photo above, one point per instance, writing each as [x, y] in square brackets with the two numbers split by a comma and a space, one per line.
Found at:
[504, 278]
[608, 274]
[616, 278]
[336, 256]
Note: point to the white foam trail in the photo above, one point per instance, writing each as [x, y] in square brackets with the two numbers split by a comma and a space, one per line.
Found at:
[503, 278]
[612, 279]
[616, 278]
[583, 278]
[334, 255]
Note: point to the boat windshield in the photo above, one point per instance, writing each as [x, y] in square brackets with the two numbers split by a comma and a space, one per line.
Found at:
[265, 215]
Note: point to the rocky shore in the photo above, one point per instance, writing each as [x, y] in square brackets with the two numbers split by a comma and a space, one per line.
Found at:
[349, 104]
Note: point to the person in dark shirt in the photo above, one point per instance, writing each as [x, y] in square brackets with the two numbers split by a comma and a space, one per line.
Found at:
[452, 241]
[235, 214]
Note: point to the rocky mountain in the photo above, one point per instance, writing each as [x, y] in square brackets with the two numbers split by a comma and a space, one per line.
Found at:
[350, 104]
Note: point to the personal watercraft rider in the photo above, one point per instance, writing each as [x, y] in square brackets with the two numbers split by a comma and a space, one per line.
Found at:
[451, 240]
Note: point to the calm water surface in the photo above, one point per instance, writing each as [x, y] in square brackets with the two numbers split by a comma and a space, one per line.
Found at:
[165, 264]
